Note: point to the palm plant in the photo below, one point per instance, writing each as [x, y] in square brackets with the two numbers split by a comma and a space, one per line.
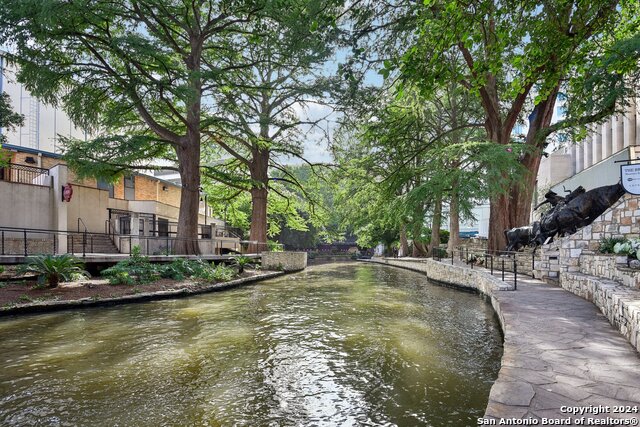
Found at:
[54, 269]
[241, 261]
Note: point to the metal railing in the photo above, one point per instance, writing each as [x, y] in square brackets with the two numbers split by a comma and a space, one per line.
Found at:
[25, 174]
[32, 241]
[497, 262]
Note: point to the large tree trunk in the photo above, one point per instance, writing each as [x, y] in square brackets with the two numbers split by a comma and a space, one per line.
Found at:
[259, 170]
[436, 222]
[454, 223]
[500, 204]
[419, 249]
[514, 208]
[404, 244]
[189, 166]
[498, 222]
[188, 153]
[522, 195]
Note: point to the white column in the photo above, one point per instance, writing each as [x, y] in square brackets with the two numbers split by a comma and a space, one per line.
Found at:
[607, 138]
[629, 126]
[59, 177]
[617, 133]
[579, 157]
[588, 150]
[596, 132]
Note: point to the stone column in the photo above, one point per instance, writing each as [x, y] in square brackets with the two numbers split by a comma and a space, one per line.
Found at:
[588, 150]
[59, 177]
[579, 156]
[617, 133]
[596, 132]
[607, 141]
[629, 126]
[135, 230]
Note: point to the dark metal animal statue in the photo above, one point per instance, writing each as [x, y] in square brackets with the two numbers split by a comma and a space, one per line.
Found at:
[577, 211]
[519, 237]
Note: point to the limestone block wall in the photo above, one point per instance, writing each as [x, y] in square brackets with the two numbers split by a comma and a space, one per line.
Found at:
[611, 267]
[287, 261]
[565, 254]
[453, 274]
[15, 246]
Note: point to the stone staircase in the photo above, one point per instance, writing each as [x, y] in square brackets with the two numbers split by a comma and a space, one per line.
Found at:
[95, 244]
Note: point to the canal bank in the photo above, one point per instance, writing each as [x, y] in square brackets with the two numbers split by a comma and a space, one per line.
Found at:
[193, 289]
[560, 353]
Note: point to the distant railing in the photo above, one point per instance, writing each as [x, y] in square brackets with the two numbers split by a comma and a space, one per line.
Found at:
[32, 241]
[25, 174]
[494, 261]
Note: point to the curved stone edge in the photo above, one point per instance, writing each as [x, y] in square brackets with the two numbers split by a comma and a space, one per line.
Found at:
[50, 306]
[619, 304]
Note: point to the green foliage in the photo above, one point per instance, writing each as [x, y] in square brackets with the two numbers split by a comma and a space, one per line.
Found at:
[180, 268]
[53, 269]
[629, 247]
[240, 262]
[136, 269]
[1, 269]
[607, 245]
[9, 120]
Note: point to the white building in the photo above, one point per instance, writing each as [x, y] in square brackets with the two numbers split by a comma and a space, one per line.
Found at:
[595, 161]
[43, 124]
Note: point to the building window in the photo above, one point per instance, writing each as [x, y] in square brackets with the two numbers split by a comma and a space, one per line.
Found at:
[163, 227]
[104, 185]
[129, 188]
[125, 225]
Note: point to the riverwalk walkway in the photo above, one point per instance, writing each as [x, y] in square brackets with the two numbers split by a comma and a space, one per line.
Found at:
[561, 355]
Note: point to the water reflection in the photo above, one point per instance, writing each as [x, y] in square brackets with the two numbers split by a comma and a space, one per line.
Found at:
[337, 345]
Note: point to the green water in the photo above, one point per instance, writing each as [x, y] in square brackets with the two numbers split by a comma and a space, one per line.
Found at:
[336, 345]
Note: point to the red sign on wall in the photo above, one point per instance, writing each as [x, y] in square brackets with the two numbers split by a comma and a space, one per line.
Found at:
[67, 192]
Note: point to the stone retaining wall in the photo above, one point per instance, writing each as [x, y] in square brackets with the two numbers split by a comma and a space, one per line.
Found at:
[15, 246]
[451, 274]
[574, 254]
[285, 261]
[618, 303]
[610, 267]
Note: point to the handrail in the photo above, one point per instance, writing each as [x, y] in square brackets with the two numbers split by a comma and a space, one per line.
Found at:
[85, 225]
[41, 171]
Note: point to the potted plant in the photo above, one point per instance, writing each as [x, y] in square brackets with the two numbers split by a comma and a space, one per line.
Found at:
[630, 248]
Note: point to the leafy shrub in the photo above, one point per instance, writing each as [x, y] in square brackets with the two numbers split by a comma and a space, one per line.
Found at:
[53, 269]
[218, 273]
[1, 269]
[630, 248]
[273, 246]
[134, 270]
[607, 245]
[179, 269]
[240, 262]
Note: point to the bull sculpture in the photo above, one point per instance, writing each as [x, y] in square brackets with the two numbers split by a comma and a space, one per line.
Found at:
[567, 214]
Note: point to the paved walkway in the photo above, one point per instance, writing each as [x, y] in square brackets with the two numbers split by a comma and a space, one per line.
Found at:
[561, 352]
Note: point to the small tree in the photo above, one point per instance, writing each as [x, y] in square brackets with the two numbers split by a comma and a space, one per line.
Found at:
[54, 269]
